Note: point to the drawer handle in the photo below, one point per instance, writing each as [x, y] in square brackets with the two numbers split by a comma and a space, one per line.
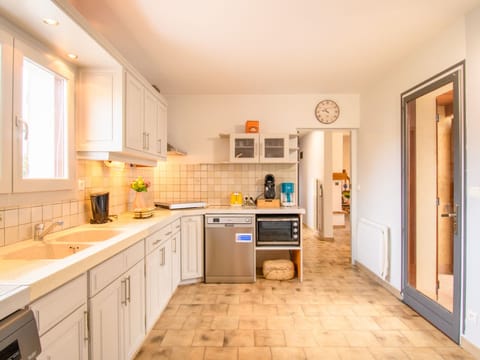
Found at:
[86, 330]
[156, 242]
[162, 256]
[124, 292]
[168, 233]
[128, 288]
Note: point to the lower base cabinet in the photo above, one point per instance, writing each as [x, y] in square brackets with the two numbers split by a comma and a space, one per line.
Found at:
[67, 340]
[192, 247]
[117, 311]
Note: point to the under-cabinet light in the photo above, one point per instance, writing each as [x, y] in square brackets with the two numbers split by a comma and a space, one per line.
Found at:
[51, 22]
[114, 164]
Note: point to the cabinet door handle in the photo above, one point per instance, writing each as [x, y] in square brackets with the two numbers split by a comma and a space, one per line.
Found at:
[86, 329]
[162, 256]
[174, 245]
[159, 146]
[124, 292]
[128, 288]
[148, 141]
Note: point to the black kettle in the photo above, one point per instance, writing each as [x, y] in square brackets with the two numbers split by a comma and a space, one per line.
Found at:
[269, 189]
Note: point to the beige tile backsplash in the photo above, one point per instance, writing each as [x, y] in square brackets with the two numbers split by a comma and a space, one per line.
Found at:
[171, 181]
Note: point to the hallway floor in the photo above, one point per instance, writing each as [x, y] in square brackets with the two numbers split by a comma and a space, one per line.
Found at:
[336, 313]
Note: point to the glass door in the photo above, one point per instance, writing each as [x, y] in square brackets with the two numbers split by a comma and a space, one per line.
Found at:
[432, 199]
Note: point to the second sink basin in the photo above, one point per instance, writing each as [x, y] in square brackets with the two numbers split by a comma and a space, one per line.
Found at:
[84, 235]
[42, 250]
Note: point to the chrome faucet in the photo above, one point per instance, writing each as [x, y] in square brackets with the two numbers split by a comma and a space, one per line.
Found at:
[39, 233]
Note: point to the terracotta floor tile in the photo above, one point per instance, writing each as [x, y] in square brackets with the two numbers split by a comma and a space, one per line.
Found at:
[208, 338]
[221, 353]
[170, 322]
[300, 338]
[225, 322]
[386, 353]
[337, 312]
[178, 338]
[197, 322]
[254, 353]
[280, 322]
[323, 353]
[287, 353]
[264, 310]
[239, 338]
[355, 353]
[215, 309]
[269, 338]
[252, 322]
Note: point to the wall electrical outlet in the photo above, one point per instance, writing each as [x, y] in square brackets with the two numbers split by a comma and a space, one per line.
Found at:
[81, 184]
[472, 317]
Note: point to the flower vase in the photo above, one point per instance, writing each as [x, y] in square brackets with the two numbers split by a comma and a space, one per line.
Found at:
[138, 201]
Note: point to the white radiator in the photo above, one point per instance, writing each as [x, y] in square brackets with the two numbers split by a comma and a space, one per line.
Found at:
[373, 250]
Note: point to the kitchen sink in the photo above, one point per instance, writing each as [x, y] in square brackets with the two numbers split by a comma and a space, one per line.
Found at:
[43, 250]
[83, 235]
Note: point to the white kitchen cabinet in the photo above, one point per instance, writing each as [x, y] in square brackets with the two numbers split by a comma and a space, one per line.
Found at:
[120, 118]
[61, 320]
[192, 247]
[117, 310]
[264, 148]
[67, 340]
[158, 276]
[176, 251]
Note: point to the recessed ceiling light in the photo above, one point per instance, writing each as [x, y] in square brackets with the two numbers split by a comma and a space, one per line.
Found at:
[52, 22]
[72, 56]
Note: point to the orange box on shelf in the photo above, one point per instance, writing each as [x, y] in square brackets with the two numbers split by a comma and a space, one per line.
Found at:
[268, 203]
[252, 126]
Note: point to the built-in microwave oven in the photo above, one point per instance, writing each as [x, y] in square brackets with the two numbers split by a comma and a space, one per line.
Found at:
[278, 230]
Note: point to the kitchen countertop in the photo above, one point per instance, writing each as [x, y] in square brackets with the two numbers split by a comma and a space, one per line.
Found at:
[43, 276]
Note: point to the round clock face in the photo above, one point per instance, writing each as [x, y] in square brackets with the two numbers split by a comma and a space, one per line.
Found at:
[327, 111]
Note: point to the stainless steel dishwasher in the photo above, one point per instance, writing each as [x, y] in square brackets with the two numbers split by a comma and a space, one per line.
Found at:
[229, 248]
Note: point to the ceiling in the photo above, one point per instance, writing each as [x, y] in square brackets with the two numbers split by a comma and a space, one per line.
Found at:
[267, 46]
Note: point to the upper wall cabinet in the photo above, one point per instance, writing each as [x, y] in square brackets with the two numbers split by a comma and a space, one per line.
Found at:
[118, 115]
[119, 118]
[264, 148]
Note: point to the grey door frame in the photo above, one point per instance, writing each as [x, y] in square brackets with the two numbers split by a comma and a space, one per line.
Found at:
[448, 322]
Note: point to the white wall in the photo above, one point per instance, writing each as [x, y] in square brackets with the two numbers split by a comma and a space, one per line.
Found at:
[472, 331]
[379, 157]
[310, 169]
[195, 121]
[379, 137]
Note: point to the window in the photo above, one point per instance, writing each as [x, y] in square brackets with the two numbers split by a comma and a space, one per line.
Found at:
[43, 117]
[43, 122]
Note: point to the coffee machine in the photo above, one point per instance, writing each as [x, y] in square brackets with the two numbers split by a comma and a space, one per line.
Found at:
[99, 203]
[269, 187]
[287, 196]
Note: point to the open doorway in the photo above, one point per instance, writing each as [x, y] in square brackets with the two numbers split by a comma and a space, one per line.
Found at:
[324, 183]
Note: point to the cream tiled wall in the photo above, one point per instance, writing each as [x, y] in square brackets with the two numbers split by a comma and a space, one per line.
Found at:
[212, 183]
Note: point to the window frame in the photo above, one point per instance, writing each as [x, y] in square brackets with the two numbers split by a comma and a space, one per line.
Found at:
[54, 64]
[6, 64]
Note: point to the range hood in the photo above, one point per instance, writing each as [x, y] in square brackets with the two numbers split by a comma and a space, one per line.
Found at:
[173, 151]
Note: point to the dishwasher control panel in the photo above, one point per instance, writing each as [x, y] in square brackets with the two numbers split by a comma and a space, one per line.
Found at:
[226, 219]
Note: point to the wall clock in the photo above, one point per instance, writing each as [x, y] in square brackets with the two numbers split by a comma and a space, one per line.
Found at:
[327, 111]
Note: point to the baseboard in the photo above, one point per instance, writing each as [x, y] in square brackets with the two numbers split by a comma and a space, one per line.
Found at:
[469, 347]
[379, 280]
